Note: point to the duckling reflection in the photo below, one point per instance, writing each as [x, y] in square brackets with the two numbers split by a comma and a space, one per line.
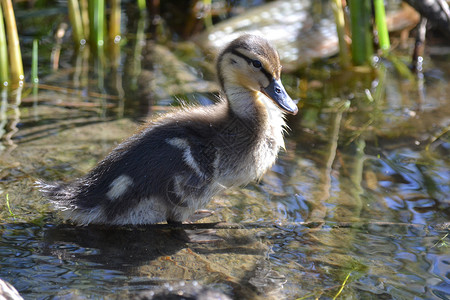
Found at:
[176, 163]
[124, 249]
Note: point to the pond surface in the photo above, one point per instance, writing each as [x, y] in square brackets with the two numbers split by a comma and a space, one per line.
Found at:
[359, 201]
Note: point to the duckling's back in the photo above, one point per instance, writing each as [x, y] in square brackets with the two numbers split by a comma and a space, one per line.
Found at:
[165, 172]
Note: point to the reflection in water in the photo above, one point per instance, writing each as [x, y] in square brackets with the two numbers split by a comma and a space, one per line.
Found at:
[384, 261]
[8, 133]
[56, 51]
[116, 249]
[98, 259]
[3, 118]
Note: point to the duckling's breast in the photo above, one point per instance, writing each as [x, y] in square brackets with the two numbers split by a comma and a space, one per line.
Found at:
[249, 146]
[271, 124]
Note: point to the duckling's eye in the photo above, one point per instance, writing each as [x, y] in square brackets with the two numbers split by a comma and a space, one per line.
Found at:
[257, 64]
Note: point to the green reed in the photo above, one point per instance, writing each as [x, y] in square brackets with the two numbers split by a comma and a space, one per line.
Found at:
[338, 12]
[15, 56]
[380, 21]
[34, 63]
[137, 52]
[208, 16]
[76, 21]
[89, 23]
[84, 11]
[97, 25]
[3, 53]
[362, 37]
[114, 37]
[9, 207]
[141, 5]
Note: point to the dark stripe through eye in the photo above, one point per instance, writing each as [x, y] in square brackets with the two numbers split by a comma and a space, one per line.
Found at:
[255, 63]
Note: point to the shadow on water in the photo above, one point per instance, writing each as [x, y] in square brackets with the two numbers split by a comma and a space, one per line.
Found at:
[87, 257]
[105, 261]
[113, 248]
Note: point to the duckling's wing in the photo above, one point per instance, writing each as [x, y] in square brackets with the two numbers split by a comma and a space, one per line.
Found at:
[170, 164]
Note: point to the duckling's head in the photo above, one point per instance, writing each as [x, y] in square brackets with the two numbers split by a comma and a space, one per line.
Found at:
[250, 62]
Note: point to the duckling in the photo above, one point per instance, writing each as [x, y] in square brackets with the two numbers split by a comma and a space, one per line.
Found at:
[174, 165]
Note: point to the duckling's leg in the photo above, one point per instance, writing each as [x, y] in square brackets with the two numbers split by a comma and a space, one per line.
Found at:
[203, 236]
[200, 214]
[174, 223]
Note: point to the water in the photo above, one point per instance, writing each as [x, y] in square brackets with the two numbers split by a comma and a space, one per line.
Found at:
[359, 198]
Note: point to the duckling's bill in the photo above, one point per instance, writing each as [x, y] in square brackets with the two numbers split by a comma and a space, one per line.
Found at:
[275, 91]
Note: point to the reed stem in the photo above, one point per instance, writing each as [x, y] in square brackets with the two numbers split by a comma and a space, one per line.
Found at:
[15, 55]
[141, 5]
[97, 25]
[207, 13]
[100, 15]
[34, 63]
[84, 12]
[360, 14]
[380, 21]
[3, 53]
[114, 32]
[340, 28]
[137, 52]
[76, 21]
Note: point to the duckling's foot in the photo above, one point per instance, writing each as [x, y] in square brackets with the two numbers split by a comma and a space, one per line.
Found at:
[203, 236]
[174, 223]
[200, 214]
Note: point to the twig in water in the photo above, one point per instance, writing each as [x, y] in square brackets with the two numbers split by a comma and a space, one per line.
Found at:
[9, 207]
[434, 139]
[441, 241]
[342, 286]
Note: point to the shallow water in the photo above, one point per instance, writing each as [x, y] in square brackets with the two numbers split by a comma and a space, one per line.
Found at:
[359, 198]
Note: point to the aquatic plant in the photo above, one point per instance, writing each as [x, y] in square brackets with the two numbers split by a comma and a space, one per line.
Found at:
[3, 53]
[362, 33]
[208, 17]
[34, 63]
[34, 69]
[380, 22]
[342, 285]
[114, 37]
[9, 207]
[15, 56]
[339, 18]
[91, 24]
[97, 25]
[141, 5]
[360, 15]
[441, 242]
[77, 22]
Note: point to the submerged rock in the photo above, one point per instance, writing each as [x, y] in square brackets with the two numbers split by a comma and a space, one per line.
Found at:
[288, 25]
[266, 280]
